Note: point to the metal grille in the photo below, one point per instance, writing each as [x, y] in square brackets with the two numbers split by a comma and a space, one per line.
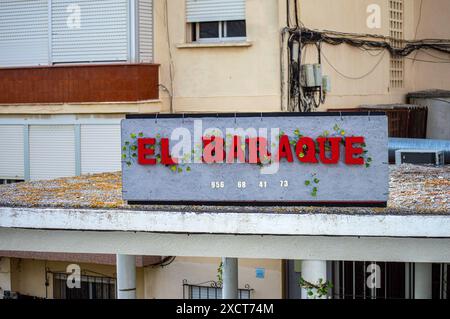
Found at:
[210, 292]
[441, 284]
[396, 280]
[404, 120]
[350, 280]
[92, 287]
[396, 16]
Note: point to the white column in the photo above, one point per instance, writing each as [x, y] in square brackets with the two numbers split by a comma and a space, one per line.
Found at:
[312, 271]
[230, 278]
[5, 275]
[126, 277]
[422, 280]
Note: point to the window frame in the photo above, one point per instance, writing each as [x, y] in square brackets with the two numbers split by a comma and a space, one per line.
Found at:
[59, 282]
[213, 291]
[223, 28]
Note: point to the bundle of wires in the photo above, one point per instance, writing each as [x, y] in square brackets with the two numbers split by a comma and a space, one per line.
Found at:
[373, 42]
[298, 37]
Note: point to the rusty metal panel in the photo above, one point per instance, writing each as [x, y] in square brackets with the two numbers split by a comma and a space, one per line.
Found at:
[404, 120]
[80, 83]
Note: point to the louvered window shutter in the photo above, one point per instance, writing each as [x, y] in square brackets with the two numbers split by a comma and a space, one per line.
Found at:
[145, 10]
[23, 32]
[101, 36]
[215, 10]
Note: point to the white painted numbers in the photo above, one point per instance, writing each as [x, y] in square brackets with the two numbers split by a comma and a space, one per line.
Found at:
[218, 185]
[244, 184]
[263, 184]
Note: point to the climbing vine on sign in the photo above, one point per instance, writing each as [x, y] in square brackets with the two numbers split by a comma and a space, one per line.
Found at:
[130, 153]
[313, 183]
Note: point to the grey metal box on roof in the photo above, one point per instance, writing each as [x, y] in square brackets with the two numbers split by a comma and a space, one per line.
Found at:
[438, 103]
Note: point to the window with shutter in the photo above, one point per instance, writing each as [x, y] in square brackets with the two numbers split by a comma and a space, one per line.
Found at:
[216, 20]
[215, 10]
[87, 31]
[23, 33]
[46, 32]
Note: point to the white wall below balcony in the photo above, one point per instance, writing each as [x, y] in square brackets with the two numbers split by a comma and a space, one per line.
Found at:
[240, 246]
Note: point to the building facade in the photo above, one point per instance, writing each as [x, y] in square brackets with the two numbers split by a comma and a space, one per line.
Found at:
[75, 70]
[71, 70]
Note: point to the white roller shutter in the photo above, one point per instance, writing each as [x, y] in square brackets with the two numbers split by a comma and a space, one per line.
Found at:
[102, 34]
[52, 151]
[100, 148]
[145, 13]
[11, 152]
[215, 10]
[23, 32]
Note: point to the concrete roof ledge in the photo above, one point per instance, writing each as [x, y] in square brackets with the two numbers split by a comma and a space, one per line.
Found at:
[240, 223]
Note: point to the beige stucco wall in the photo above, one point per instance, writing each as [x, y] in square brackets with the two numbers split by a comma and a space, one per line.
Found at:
[154, 106]
[248, 78]
[434, 23]
[221, 79]
[167, 282]
[350, 16]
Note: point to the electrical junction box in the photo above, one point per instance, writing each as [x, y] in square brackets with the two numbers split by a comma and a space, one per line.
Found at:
[419, 157]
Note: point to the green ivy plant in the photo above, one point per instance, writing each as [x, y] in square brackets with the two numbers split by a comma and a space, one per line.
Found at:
[220, 274]
[129, 152]
[317, 290]
[313, 183]
[129, 149]
[338, 131]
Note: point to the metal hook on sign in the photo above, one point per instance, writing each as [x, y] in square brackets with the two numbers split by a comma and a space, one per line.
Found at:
[340, 114]
[217, 116]
[261, 116]
[235, 118]
[369, 116]
[156, 118]
[183, 119]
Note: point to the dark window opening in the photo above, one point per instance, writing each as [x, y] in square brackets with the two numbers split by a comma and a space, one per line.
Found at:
[11, 181]
[209, 30]
[218, 31]
[350, 280]
[92, 287]
[236, 29]
[396, 280]
[210, 292]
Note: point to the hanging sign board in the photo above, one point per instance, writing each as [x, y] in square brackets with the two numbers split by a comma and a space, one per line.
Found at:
[281, 159]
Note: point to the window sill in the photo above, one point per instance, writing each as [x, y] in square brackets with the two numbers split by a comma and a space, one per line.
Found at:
[214, 45]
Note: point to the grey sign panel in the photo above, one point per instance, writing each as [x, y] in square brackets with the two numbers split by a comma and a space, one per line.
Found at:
[273, 182]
